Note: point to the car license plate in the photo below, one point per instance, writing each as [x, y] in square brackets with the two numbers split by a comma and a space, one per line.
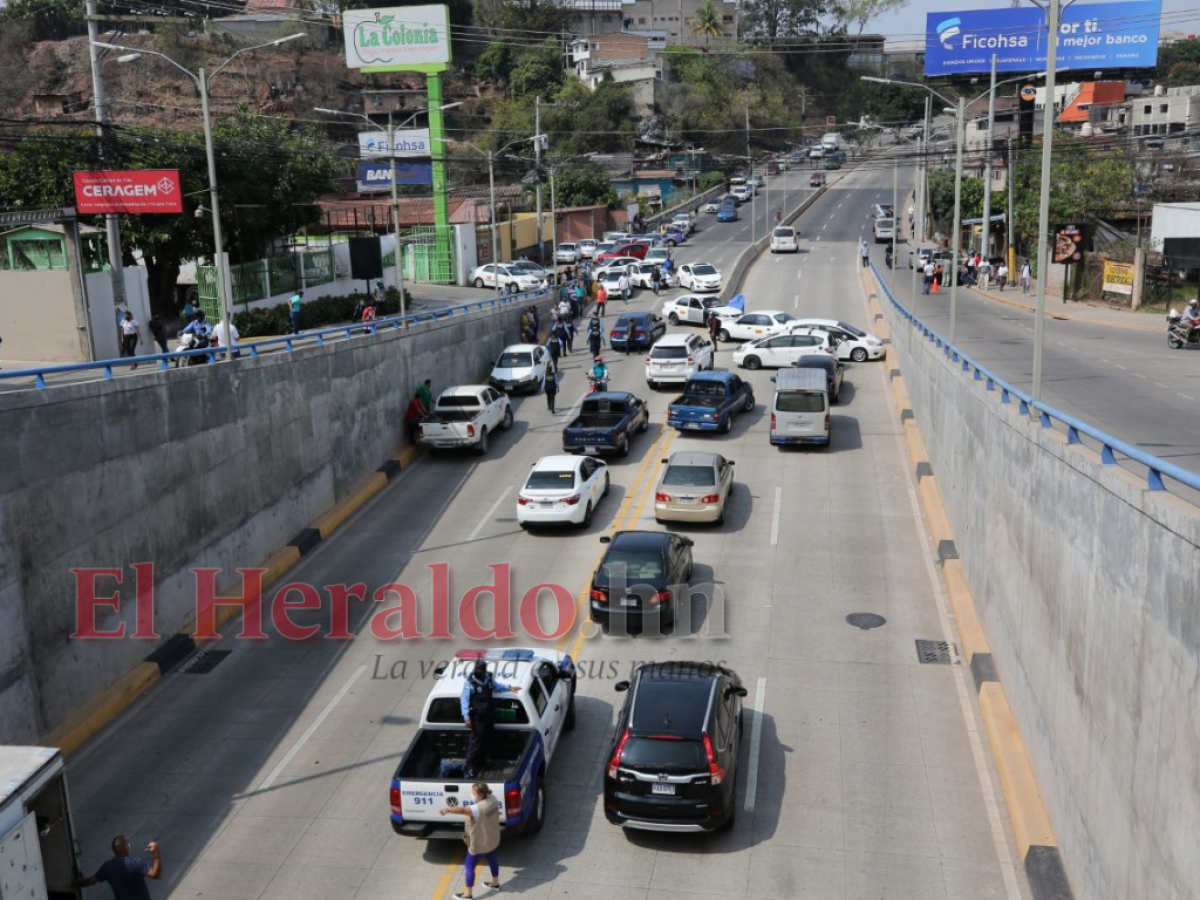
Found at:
[692, 425]
[546, 504]
[686, 499]
[629, 601]
[591, 450]
[663, 788]
[800, 426]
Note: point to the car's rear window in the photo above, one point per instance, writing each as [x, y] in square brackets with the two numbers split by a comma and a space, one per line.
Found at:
[448, 711]
[689, 476]
[664, 755]
[800, 401]
[514, 361]
[785, 232]
[549, 481]
[636, 564]
[674, 705]
[669, 353]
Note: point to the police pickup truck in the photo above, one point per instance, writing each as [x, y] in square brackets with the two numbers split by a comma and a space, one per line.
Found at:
[528, 726]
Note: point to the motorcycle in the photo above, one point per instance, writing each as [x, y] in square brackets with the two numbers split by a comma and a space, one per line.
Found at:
[192, 341]
[598, 385]
[1180, 334]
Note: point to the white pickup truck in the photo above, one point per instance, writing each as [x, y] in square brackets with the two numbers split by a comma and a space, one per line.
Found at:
[465, 416]
[528, 726]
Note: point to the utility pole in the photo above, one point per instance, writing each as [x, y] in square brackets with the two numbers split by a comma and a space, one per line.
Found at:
[959, 127]
[987, 164]
[750, 164]
[495, 234]
[399, 254]
[112, 222]
[895, 206]
[1010, 225]
[537, 154]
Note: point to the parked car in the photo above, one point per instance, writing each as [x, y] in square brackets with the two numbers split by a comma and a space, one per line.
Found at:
[816, 152]
[920, 255]
[689, 308]
[657, 255]
[677, 357]
[562, 490]
[567, 253]
[521, 367]
[610, 278]
[618, 237]
[816, 179]
[675, 235]
[637, 576]
[750, 326]
[601, 248]
[642, 274]
[606, 423]
[673, 761]
[465, 416]
[784, 239]
[636, 331]
[780, 350]
[884, 230]
[623, 251]
[800, 408]
[587, 247]
[854, 343]
[835, 372]
[709, 402]
[693, 487]
[758, 183]
[699, 277]
[527, 733]
[511, 278]
[619, 263]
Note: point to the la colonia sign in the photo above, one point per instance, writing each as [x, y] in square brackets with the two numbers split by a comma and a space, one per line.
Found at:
[396, 36]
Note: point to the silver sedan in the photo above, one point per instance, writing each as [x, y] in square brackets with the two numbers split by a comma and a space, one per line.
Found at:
[694, 487]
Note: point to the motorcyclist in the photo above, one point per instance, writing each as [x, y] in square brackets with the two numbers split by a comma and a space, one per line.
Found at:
[1191, 317]
[201, 338]
[598, 374]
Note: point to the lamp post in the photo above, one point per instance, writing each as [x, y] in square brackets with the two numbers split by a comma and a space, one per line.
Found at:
[398, 257]
[202, 80]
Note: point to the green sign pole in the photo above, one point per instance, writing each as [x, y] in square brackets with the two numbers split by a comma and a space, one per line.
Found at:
[441, 201]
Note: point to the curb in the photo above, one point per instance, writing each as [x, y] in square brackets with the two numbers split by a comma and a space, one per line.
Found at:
[1034, 835]
[1063, 316]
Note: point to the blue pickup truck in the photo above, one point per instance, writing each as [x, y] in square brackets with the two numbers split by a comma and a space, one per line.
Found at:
[606, 423]
[709, 402]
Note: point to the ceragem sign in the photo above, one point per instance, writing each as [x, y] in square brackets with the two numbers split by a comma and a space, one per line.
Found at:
[400, 36]
[131, 191]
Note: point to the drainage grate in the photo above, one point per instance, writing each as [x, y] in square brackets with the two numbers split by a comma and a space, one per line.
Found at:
[865, 621]
[206, 661]
[941, 653]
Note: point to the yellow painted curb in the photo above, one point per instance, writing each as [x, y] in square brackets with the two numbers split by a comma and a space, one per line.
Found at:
[407, 455]
[900, 392]
[935, 512]
[971, 639]
[343, 509]
[100, 710]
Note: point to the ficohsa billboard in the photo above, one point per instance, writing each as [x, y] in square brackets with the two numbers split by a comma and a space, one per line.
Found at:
[397, 36]
[1091, 36]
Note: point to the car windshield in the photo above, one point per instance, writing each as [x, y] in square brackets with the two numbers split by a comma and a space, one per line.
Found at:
[850, 328]
[800, 402]
[704, 269]
[514, 361]
[659, 755]
[689, 476]
[550, 481]
[566, 246]
[632, 565]
[661, 352]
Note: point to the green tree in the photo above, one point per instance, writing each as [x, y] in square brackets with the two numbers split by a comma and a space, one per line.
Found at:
[496, 62]
[537, 70]
[583, 183]
[48, 20]
[1179, 63]
[941, 198]
[781, 18]
[707, 21]
[530, 17]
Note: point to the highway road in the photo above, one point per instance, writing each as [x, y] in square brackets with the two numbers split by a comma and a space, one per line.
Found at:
[870, 778]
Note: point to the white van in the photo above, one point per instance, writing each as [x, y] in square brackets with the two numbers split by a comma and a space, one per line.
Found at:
[885, 230]
[800, 408]
[784, 240]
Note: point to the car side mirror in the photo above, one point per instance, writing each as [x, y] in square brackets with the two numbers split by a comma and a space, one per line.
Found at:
[731, 462]
[687, 542]
[737, 692]
[606, 540]
[621, 686]
[772, 378]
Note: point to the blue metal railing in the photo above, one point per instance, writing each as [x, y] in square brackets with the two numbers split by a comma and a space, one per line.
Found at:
[1112, 449]
[252, 349]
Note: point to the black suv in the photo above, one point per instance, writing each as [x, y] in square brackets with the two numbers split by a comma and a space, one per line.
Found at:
[673, 761]
[834, 372]
[636, 576]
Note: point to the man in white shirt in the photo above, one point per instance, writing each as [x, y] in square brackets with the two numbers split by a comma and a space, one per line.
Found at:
[623, 284]
[928, 272]
[131, 335]
[985, 271]
[221, 335]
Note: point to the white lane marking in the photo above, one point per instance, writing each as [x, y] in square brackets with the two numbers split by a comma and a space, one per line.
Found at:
[487, 517]
[1184, 396]
[1159, 384]
[775, 518]
[1135, 374]
[798, 271]
[1121, 367]
[311, 729]
[817, 238]
[796, 302]
[760, 706]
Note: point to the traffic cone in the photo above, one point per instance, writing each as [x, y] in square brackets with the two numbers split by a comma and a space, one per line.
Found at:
[935, 288]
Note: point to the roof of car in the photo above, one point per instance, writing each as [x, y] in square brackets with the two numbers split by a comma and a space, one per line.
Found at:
[463, 389]
[512, 665]
[717, 375]
[816, 361]
[640, 540]
[560, 463]
[519, 348]
[693, 458]
[670, 340]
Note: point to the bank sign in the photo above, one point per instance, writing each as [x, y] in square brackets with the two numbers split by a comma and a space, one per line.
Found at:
[1092, 36]
[377, 176]
[412, 142]
[131, 191]
[397, 36]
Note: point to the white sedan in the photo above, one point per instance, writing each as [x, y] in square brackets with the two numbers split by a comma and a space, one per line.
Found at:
[587, 247]
[567, 253]
[562, 490]
[856, 344]
[689, 308]
[712, 206]
[752, 326]
[781, 350]
[521, 367]
[700, 277]
[511, 278]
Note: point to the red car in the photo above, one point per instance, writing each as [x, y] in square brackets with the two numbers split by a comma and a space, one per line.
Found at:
[638, 251]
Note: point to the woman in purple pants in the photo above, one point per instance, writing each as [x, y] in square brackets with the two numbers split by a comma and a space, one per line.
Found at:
[482, 835]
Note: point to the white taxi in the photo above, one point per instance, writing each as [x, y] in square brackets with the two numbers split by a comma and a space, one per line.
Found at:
[689, 308]
[781, 350]
[754, 325]
[562, 490]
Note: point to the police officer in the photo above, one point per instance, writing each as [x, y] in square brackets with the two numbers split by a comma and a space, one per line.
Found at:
[478, 706]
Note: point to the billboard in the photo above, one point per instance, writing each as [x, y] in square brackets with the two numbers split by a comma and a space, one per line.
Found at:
[1091, 36]
[1068, 244]
[1118, 278]
[376, 176]
[130, 191]
[397, 36]
[409, 143]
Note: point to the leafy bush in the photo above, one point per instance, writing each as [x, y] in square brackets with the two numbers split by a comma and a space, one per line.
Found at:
[322, 312]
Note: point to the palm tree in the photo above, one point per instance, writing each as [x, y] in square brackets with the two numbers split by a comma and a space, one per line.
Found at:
[707, 21]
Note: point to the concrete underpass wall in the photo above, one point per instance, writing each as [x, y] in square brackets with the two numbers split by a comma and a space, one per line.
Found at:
[1088, 588]
[213, 466]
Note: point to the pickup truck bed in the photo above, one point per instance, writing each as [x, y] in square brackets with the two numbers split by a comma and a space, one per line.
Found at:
[423, 761]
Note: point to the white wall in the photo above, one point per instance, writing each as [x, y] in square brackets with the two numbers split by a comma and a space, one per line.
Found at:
[102, 315]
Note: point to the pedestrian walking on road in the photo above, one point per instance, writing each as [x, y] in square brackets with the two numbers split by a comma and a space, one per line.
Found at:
[624, 286]
[131, 335]
[554, 346]
[595, 335]
[865, 252]
[551, 387]
[985, 273]
[656, 280]
[927, 280]
[569, 330]
[294, 310]
[714, 329]
[127, 874]
[482, 836]
[1026, 277]
[601, 299]
[159, 333]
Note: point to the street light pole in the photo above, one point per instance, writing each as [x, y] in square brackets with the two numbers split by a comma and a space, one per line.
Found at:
[987, 164]
[492, 215]
[398, 257]
[960, 137]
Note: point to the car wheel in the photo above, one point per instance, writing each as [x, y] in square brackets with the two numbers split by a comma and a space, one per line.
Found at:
[508, 419]
[645, 425]
[749, 403]
[482, 447]
[513, 287]
[479, 283]
[538, 815]
[673, 319]
[623, 448]
[858, 355]
[569, 720]
[723, 336]
[606, 486]
[752, 362]
[727, 425]
[587, 515]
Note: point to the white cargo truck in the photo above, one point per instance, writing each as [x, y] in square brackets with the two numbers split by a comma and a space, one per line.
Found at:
[831, 141]
[38, 852]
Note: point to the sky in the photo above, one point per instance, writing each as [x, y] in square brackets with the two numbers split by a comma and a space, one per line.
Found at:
[908, 23]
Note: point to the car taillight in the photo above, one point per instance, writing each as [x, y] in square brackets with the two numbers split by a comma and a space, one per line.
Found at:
[660, 497]
[512, 803]
[470, 431]
[690, 360]
[572, 500]
[639, 333]
[615, 761]
[826, 421]
[772, 421]
[711, 498]
[717, 773]
[599, 596]
[523, 501]
[660, 598]
[396, 800]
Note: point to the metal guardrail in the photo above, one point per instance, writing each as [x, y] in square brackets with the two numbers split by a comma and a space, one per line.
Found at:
[1112, 450]
[252, 349]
